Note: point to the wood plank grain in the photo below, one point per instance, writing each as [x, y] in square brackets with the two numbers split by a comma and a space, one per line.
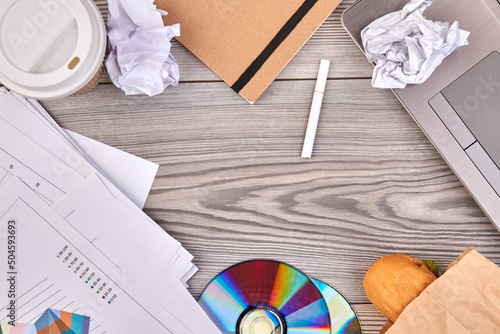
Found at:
[330, 42]
[232, 187]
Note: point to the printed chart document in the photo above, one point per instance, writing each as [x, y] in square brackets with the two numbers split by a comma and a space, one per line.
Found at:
[55, 267]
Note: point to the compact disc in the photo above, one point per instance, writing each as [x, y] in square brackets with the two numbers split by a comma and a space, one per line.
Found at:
[343, 320]
[265, 297]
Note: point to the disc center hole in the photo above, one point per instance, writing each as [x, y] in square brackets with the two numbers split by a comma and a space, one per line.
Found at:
[260, 321]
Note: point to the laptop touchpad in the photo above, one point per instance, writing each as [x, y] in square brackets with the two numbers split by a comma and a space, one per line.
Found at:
[475, 97]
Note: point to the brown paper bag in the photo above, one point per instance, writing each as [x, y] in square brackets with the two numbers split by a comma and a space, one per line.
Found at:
[466, 299]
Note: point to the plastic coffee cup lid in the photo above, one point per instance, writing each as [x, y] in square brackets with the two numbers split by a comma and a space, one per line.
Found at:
[50, 48]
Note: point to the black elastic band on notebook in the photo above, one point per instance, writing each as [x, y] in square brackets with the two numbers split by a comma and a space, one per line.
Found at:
[273, 45]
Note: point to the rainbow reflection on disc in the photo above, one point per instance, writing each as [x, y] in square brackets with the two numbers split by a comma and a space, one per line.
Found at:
[265, 297]
[342, 317]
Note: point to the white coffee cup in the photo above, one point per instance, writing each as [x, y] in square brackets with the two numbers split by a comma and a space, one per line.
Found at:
[51, 48]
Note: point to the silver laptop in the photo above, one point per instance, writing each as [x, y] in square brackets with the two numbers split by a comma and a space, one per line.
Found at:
[458, 107]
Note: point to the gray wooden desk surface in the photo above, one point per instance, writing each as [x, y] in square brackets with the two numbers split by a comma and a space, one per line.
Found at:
[232, 186]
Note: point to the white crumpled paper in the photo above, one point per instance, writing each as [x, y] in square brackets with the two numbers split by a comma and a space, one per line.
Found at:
[407, 47]
[139, 60]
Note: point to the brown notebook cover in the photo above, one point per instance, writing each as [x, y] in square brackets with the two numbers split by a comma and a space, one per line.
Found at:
[246, 42]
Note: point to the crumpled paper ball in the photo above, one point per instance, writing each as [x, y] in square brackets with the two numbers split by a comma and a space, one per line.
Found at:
[407, 47]
[139, 60]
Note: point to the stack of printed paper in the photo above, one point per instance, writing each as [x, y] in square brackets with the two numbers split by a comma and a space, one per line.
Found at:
[78, 239]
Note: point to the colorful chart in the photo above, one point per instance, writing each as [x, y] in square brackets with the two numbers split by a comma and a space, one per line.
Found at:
[265, 297]
[342, 317]
[51, 322]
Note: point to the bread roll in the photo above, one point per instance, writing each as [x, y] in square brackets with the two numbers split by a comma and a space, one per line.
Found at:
[393, 281]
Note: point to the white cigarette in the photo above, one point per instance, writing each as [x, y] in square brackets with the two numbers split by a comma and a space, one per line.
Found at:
[312, 124]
